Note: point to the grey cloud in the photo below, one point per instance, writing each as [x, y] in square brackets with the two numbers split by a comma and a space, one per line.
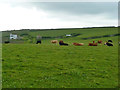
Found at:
[79, 8]
[74, 8]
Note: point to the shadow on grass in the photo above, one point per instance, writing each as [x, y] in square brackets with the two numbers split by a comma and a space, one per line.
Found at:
[101, 36]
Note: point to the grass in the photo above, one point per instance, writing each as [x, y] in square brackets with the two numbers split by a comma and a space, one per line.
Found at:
[54, 66]
[54, 33]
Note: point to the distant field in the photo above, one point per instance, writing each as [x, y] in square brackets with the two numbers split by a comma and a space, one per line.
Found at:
[28, 65]
[30, 35]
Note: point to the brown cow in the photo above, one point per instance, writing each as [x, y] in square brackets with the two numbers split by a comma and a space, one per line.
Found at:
[54, 41]
[92, 44]
[78, 44]
[100, 41]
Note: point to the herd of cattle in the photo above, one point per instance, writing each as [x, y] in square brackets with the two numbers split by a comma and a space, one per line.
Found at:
[108, 43]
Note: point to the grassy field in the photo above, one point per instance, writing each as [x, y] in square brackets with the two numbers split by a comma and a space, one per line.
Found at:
[48, 65]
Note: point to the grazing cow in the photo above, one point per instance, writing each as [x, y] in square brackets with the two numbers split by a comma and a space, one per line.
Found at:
[6, 42]
[108, 44]
[62, 43]
[54, 41]
[78, 44]
[38, 42]
[100, 41]
[92, 44]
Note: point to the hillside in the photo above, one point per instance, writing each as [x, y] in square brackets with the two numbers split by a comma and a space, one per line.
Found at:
[29, 36]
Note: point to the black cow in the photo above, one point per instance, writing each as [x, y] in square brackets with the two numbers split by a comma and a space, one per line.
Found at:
[108, 44]
[38, 42]
[63, 44]
[109, 40]
[6, 42]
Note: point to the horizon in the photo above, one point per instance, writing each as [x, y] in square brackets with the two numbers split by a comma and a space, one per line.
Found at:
[61, 28]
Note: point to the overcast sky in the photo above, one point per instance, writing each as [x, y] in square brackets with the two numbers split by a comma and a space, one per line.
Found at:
[47, 15]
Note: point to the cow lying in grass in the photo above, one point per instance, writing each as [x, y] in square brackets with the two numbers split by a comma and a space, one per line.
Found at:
[62, 43]
[108, 44]
[54, 41]
[100, 41]
[78, 44]
[110, 41]
[92, 44]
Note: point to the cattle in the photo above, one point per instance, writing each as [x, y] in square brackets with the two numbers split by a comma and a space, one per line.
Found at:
[110, 41]
[92, 44]
[78, 44]
[38, 42]
[6, 42]
[54, 41]
[108, 44]
[62, 43]
[100, 41]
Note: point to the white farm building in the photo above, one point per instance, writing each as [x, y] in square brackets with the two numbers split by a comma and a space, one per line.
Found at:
[13, 36]
[68, 35]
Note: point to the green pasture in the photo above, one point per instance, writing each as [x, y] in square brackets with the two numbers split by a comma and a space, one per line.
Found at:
[28, 65]
[84, 33]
